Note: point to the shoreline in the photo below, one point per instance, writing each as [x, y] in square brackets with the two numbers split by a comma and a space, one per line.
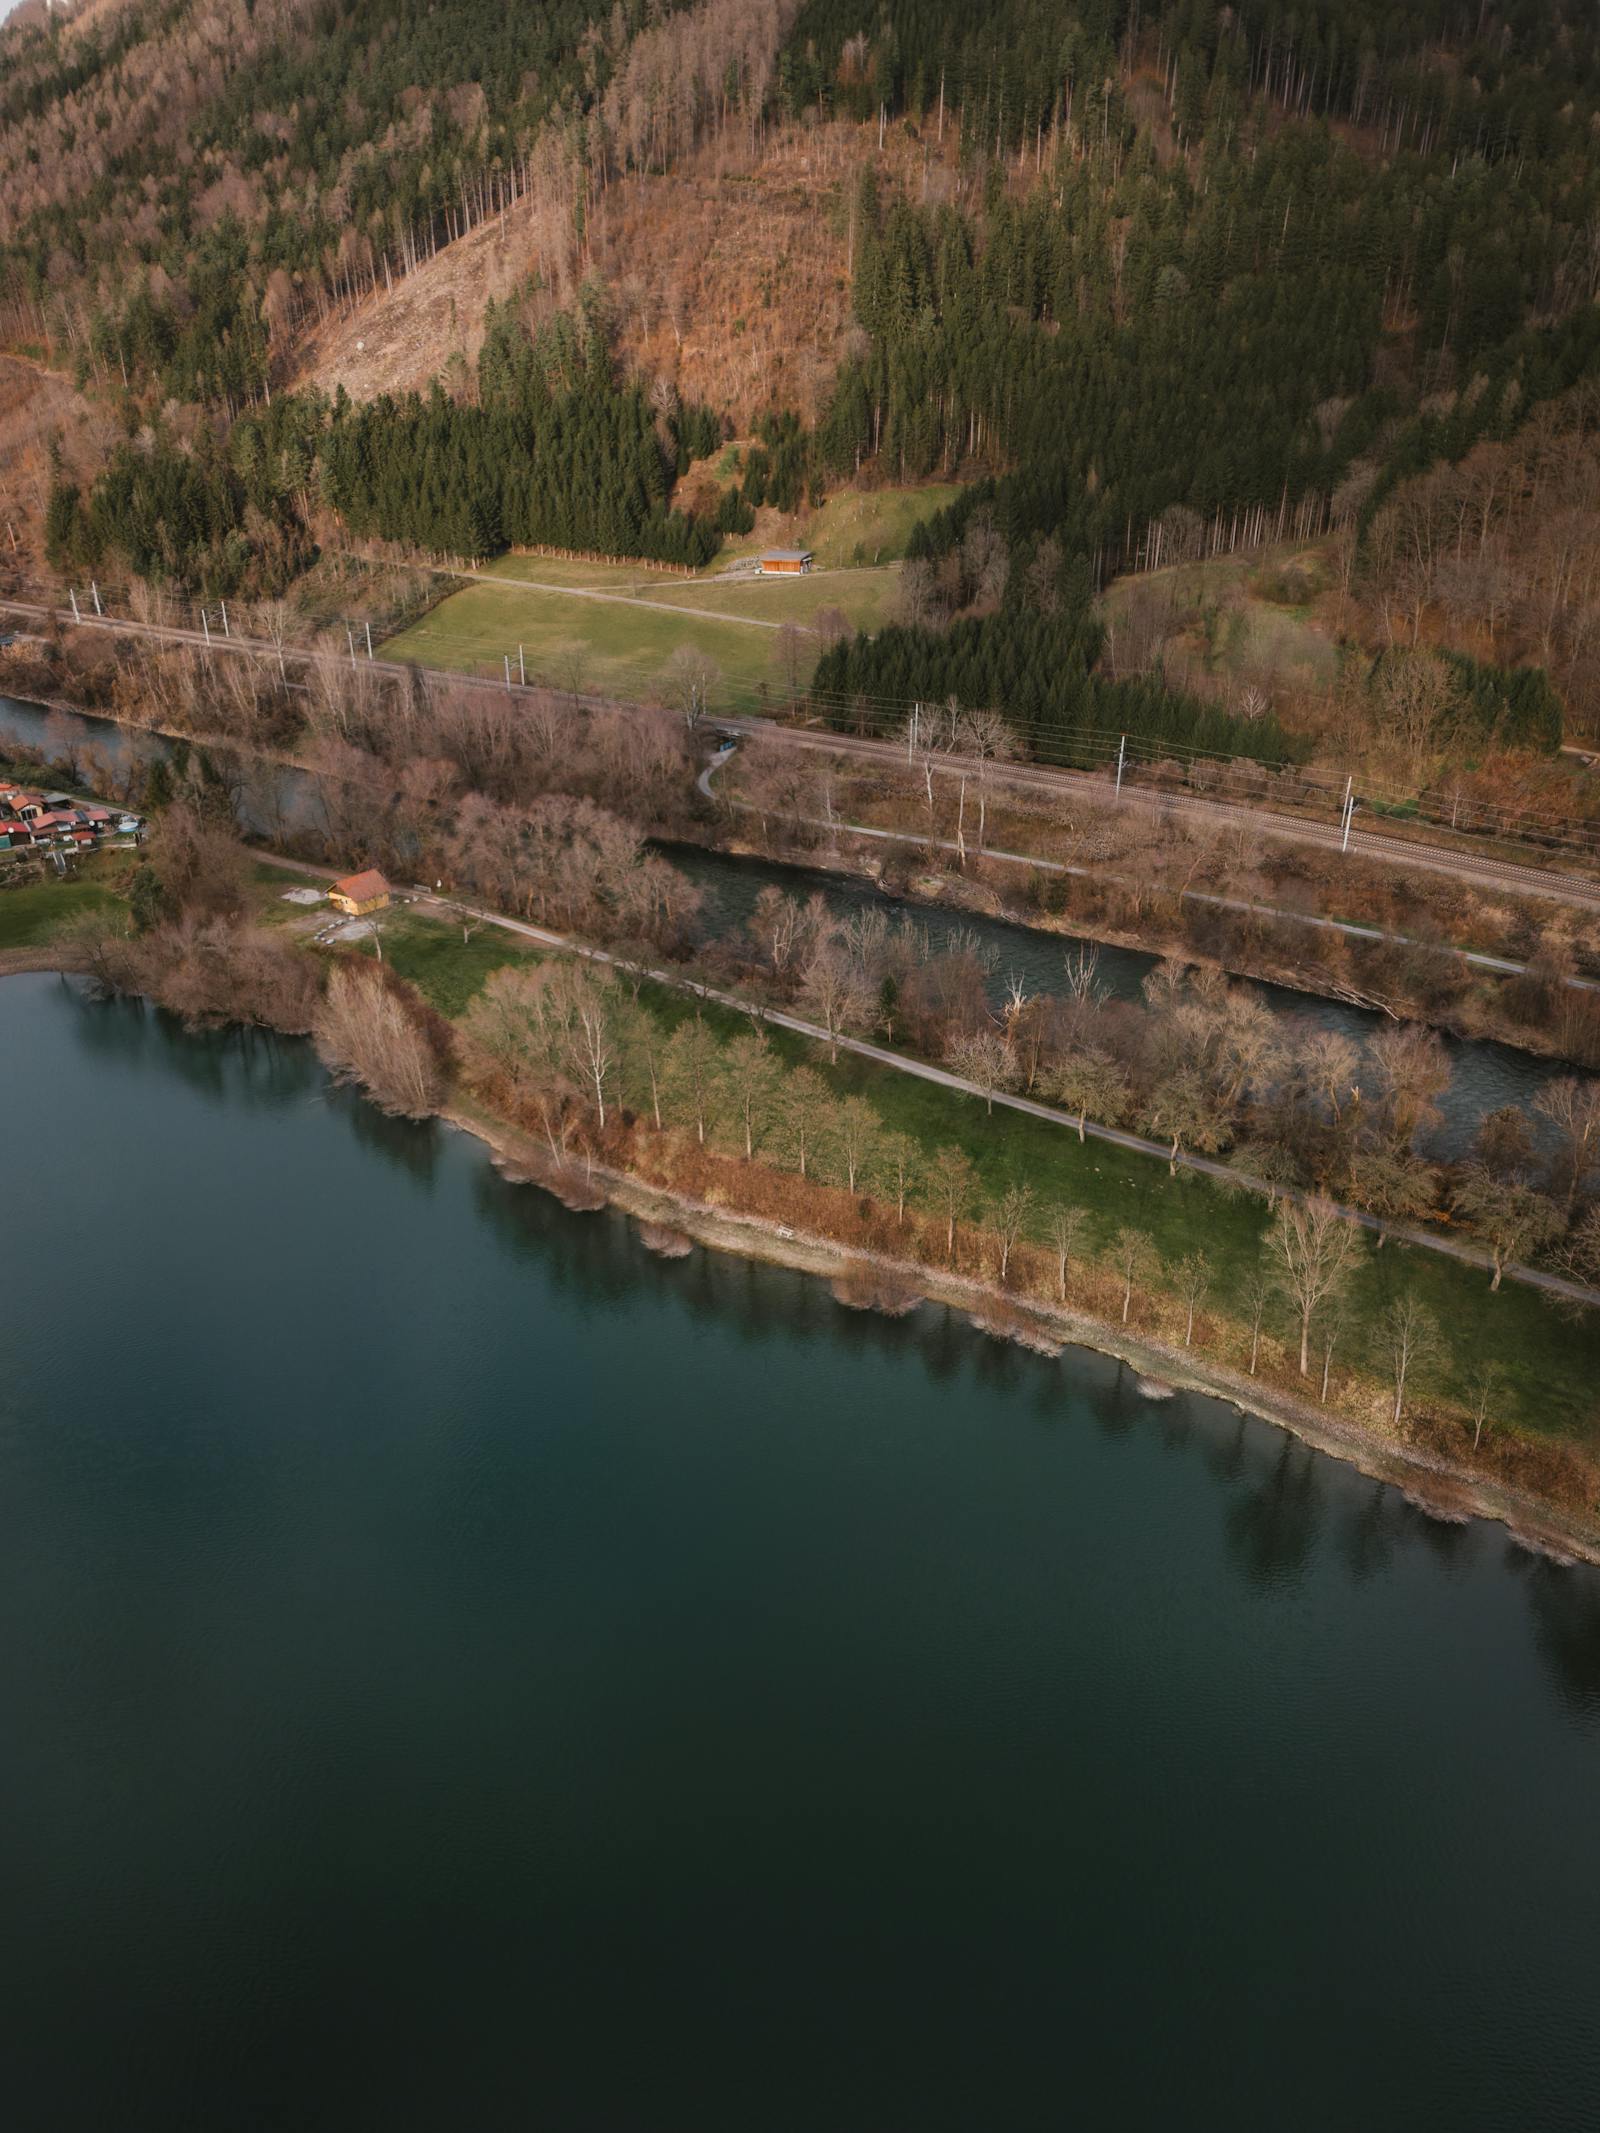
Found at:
[1449, 1494]
[1436, 1487]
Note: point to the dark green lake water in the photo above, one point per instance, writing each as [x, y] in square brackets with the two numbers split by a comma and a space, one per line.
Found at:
[459, 1671]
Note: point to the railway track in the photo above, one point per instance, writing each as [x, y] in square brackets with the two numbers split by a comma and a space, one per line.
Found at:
[1529, 879]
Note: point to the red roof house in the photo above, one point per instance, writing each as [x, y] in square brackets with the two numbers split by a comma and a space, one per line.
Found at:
[358, 894]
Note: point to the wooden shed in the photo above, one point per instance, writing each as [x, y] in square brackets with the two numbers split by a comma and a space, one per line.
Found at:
[358, 894]
[784, 562]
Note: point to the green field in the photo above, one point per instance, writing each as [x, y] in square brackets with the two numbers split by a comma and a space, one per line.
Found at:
[32, 915]
[620, 645]
[861, 596]
[446, 970]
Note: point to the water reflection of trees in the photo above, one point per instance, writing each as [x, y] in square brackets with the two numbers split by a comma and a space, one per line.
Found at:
[1566, 1623]
[1278, 1496]
[1273, 1526]
[1369, 1528]
[1450, 1539]
[408, 1144]
[256, 1069]
[1114, 1400]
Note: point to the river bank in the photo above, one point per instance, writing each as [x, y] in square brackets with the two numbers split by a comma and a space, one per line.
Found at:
[1443, 1489]
[20, 962]
[1434, 1486]
[937, 888]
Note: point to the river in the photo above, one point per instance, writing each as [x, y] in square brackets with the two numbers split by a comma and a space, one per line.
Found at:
[459, 1670]
[1483, 1075]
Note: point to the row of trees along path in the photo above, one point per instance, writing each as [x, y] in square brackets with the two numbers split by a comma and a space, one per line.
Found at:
[838, 1040]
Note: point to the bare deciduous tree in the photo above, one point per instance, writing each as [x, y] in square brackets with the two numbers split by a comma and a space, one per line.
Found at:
[690, 681]
[592, 1034]
[1067, 1226]
[368, 1030]
[789, 648]
[1573, 1108]
[1185, 1111]
[753, 1078]
[1393, 1183]
[952, 1182]
[1313, 1247]
[1191, 1279]
[1410, 1067]
[1512, 1219]
[982, 1057]
[1485, 1390]
[1257, 1294]
[1333, 1326]
[833, 991]
[807, 1107]
[1088, 1081]
[1008, 1218]
[689, 1073]
[899, 1158]
[1137, 1261]
[856, 1138]
[1411, 1336]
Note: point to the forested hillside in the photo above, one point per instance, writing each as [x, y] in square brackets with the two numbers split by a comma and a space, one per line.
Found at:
[1147, 284]
[1212, 313]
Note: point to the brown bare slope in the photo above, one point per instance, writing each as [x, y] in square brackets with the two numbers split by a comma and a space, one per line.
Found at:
[430, 323]
[729, 275]
[39, 406]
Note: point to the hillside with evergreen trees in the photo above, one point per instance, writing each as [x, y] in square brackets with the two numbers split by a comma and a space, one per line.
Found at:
[1136, 280]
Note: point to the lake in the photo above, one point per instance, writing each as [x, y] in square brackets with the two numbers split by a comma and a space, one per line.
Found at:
[460, 1670]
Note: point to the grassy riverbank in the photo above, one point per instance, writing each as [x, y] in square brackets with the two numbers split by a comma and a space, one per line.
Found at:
[38, 913]
[1547, 1356]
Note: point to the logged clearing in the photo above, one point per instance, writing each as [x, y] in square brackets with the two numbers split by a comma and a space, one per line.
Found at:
[1257, 618]
[396, 340]
[730, 275]
[40, 410]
